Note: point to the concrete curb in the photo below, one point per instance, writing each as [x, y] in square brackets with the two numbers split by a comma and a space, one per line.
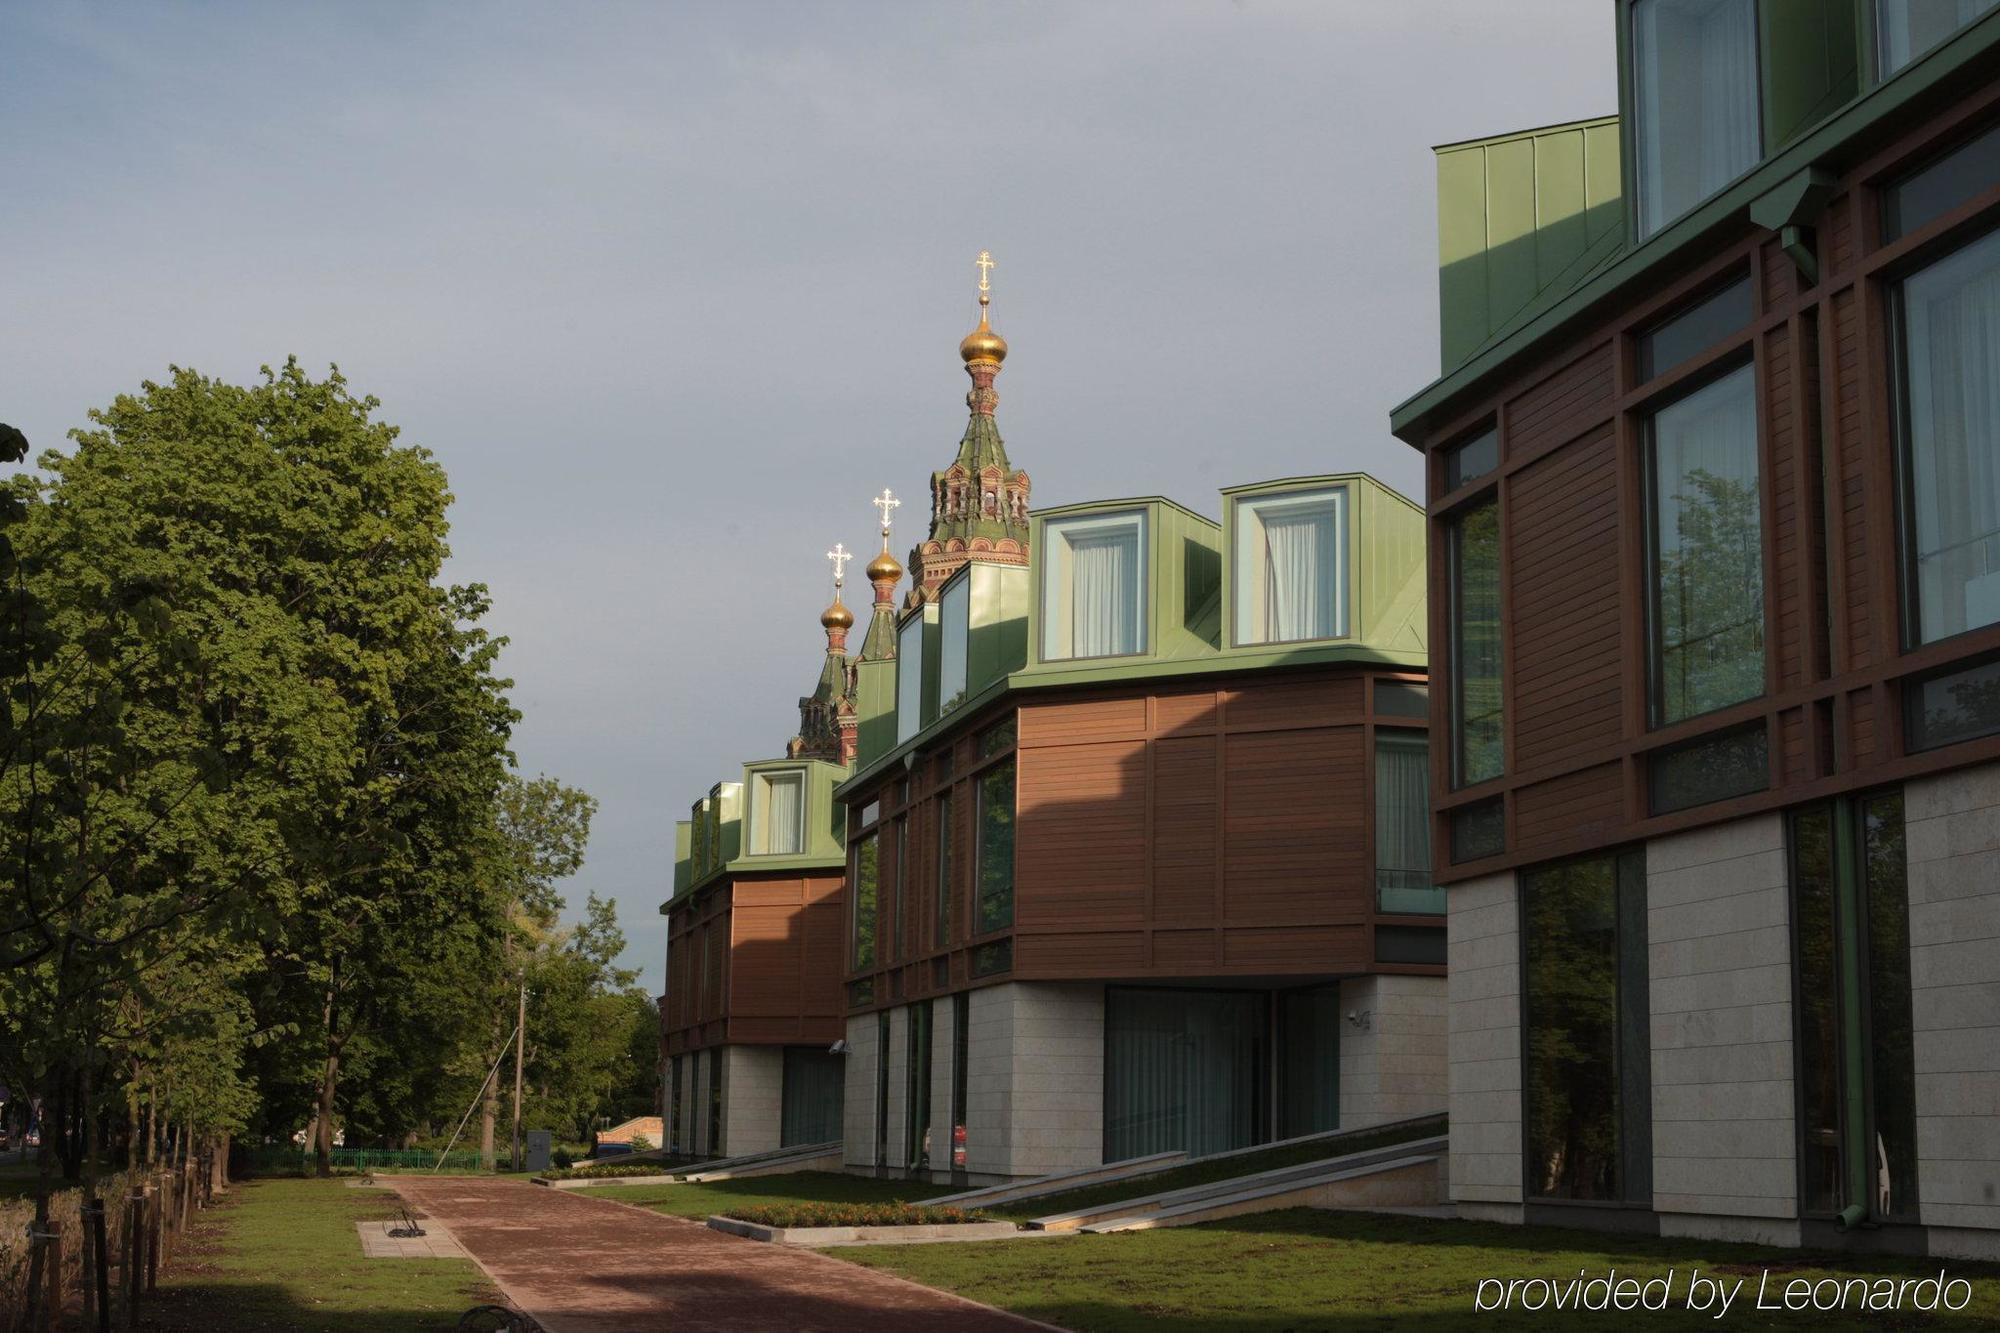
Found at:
[889, 1235]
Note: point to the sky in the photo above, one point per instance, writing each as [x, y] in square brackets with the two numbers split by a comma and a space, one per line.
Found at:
[672, 290]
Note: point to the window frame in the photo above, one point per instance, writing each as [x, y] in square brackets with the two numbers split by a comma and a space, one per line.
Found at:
[910, 666]
[1245, 509]
[760, 813]
[1454, 528]
[1056, 528]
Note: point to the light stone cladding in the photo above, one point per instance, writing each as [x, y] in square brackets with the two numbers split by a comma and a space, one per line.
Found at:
[1719, 972]
[698, 1107]
[940, 1127]
[1035, 1078]
[753, 1080]
[1393, 1068]
[1483, 1040]
[1952, 828]
[858, 1093]
[899, 1079]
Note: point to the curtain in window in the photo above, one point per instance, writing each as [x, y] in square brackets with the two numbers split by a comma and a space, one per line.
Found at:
[1298, 575]
[1952, 319]
[812, 1094]
[1104, 588]
[1403, 826]
[1912, 27]
[1708, 526]
[1310, 1077]
[1183, 1070]
[1698, 101]
[1727, 43]
[786, 816]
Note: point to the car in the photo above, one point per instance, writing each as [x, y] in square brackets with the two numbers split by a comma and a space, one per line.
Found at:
[605, 1149]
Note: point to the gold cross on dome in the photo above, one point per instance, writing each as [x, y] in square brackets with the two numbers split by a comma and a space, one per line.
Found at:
[985, 266]
[840, 555]
[885, 502]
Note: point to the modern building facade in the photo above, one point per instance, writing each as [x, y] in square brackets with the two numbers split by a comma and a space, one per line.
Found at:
[1137, 834]
[755, 929]
[1714, 538]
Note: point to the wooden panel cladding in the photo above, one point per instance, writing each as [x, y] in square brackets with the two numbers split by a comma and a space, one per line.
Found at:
[1564, 588]
[1572, 491]
[773, 951]
[1571, 399]
[1162, 830]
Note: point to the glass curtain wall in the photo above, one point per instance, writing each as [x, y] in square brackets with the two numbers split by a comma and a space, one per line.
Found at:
[1696, 101]
[1857, 1060]
[813, 1088]
[1403, 824]
[1588, 1086]
[866, 879]
[996, 848]
[1707, 536]
[1309, 1067]
[1183, 1070]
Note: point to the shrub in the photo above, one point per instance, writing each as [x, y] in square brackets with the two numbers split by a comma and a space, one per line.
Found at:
[563, 1159]
[560, 1172]
[896, 1214]
[640, 1143]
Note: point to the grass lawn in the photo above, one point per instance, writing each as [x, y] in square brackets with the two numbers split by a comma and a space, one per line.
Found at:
[690, 1200]
[284, 1254]
[1305, 1269]
[1203, 1172]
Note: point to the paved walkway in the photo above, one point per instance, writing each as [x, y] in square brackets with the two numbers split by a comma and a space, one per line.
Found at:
[590, 1266]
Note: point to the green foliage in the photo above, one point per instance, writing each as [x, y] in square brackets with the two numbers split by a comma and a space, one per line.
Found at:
[568, 1171]
[892, 1214]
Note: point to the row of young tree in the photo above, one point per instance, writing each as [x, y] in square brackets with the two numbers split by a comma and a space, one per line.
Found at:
[265, 868]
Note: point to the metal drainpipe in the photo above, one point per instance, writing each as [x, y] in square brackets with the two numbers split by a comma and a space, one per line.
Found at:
[1847, 910]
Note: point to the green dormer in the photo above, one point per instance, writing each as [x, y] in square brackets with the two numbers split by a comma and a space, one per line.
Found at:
[1124, 581]
[982, 631]
[790, 818]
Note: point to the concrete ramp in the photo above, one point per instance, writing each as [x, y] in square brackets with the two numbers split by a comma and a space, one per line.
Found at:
[799, 1157]
[1411, 1176]
[1062, 1182]
[1415, 1182]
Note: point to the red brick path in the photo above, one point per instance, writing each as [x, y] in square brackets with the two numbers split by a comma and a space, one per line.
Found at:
[588, 1266]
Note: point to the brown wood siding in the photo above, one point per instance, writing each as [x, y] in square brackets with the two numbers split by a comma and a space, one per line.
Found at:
[1572, 416]
[1178, 831]
[775, 955]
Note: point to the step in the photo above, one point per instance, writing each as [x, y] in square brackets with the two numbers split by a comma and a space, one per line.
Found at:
[1411, 1182]
[1277, 1176]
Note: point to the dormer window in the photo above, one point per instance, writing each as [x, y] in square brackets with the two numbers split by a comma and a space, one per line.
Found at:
[909, 678]
[1290, 572]
[1093, 588]
[954, 625]
[779, 816]
[1695, 102]
[1908, 28]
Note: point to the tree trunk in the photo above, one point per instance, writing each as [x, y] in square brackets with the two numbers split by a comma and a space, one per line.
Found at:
[489, 1111]
[323, 1155]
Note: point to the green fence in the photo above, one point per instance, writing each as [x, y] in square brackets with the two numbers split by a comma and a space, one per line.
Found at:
[285, 1160]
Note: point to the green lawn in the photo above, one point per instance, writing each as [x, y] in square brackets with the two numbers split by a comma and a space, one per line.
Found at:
[690, 1200]
[284, 1254]
[1202, 1172]
[1305, 1269]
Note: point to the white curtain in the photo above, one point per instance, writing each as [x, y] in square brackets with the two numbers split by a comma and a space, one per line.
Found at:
[1912, 27]
[787, 826]
[1728, 94]
[1298, 576]
[1953, 321]
[1104, 594]
[1403, 826]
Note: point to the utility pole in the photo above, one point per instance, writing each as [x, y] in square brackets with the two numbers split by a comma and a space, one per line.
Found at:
[520, 1048]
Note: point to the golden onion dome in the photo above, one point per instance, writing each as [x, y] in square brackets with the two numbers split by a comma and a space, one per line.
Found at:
[837, 616]
[884, 566]
[983, 344]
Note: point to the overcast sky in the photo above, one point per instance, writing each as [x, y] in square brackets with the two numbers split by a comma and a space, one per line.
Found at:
[673, 290]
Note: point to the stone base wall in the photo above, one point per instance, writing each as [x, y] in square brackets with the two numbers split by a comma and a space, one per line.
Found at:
[1483, 1041]
[753, 1106]
[858, 1093]
[1394, 1067]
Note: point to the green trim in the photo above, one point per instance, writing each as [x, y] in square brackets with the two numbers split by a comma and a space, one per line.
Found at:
[1833, 145]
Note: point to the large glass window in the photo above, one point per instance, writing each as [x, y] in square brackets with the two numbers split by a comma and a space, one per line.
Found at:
[1707, 550]
[864, 878]
[1695, 100]
[944, 878]
[1940, 185]
[910, 678]
[954, 627]
[1905, 29]
[1948, 322]
[1290, 572]
[814, 1085]
[961, 1050]
[1309, 1062]
[1588, 1098]
[1478, 751]
[1473, 459]
[715, 1102]
[1183, 1070]
[917, 1089]
[1857, 1062]
[995, 874]
[1093, 586]
[1403, 824]
[780, 816]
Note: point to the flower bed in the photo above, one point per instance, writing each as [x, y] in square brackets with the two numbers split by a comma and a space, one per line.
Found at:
[898, 1214]
[605, 1172]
